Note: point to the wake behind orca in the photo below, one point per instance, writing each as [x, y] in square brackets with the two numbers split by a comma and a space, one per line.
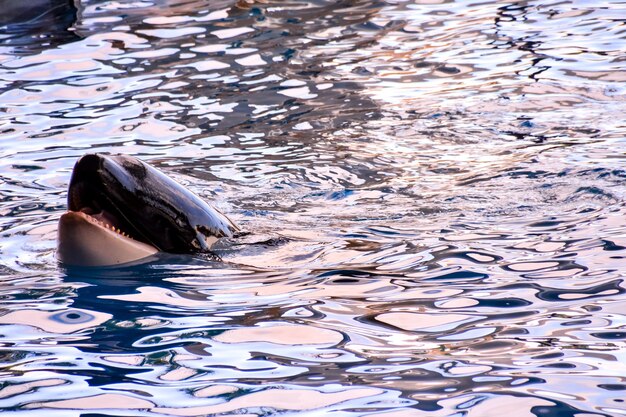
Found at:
[120, 210]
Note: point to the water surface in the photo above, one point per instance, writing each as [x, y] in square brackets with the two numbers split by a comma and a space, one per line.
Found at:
[435, 192]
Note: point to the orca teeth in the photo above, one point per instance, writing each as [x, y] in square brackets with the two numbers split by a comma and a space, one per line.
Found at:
[108, 226]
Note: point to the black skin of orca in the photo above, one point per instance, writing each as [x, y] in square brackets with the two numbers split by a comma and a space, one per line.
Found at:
[145, 203]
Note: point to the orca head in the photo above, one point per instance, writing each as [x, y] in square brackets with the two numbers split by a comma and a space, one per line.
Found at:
[121, 209]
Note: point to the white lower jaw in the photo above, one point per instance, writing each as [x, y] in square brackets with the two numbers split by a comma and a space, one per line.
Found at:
[84, 241]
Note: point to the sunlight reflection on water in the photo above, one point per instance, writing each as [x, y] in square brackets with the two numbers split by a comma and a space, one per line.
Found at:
[435, 192]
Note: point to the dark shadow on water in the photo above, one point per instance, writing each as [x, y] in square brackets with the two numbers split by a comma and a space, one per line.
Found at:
[35, 25]
[149, 271]
[108, 289]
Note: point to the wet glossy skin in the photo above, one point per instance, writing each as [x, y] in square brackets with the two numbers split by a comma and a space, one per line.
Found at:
[122, 209]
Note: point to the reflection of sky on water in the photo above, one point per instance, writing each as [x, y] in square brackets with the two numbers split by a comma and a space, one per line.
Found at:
[434, 190]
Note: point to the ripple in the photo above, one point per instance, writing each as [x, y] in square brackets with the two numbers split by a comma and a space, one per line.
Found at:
[433, 190]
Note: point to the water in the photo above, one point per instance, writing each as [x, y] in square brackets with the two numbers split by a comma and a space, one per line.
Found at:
[435, 192]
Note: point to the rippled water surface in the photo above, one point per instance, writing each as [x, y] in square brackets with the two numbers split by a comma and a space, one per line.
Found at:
[434, 189]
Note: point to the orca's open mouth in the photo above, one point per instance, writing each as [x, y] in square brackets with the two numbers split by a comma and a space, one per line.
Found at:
[102, 219]
[121, 209]
[87, 241]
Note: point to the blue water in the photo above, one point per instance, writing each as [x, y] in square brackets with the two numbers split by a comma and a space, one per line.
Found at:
[435, 194]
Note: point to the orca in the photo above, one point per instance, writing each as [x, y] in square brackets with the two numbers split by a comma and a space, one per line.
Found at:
[122, 210]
